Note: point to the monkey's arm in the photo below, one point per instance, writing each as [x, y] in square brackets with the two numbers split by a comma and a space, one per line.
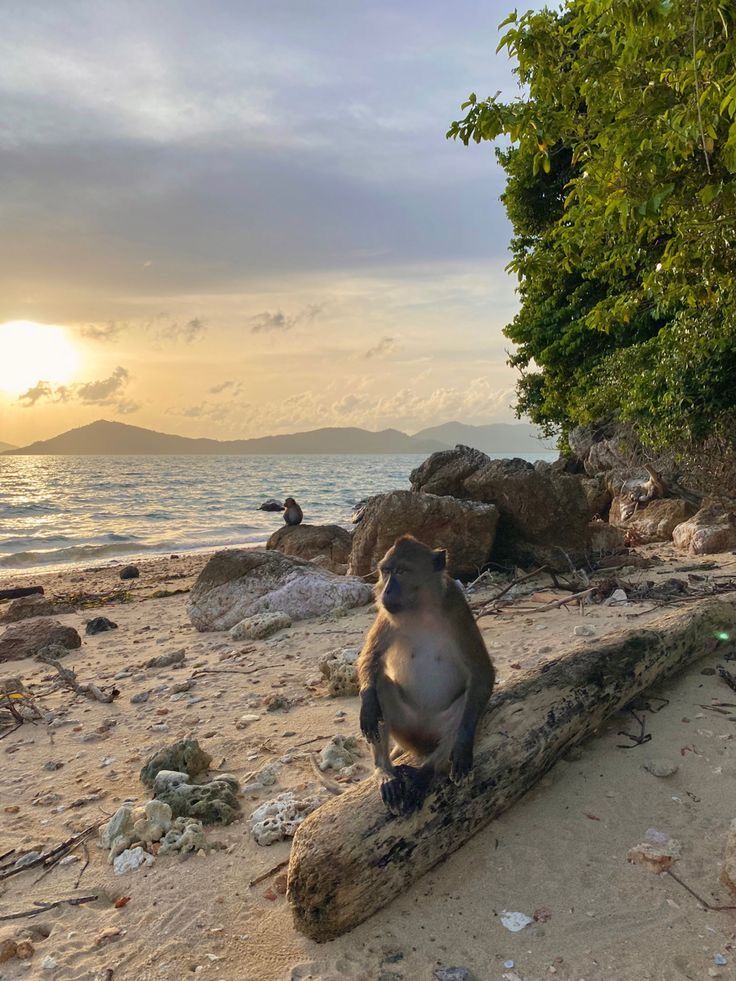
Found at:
[369, 668]
[481, 677]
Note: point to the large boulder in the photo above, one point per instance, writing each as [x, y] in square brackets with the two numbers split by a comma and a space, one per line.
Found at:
[444, 473]
[465, 528]
[654, 521]
[238, 583]
[712, 529]
[328, 544]
[29, 638]
[544, 516]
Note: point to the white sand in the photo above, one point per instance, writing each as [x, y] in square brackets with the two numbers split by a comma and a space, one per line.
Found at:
[563, 848]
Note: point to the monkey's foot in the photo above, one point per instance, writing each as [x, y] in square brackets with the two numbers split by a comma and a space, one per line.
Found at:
[461, 763]
[405, 792]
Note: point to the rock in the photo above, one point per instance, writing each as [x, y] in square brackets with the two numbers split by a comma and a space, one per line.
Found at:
[279, 818]
[660, 767]
[465, 528]
[728, 867]
[155, 822]
[130, 572]
[239, 583]
[314, 542]
[119, 825]
[583, 630]
[27, 639]
[340, 669]
[712, 529]
[130, 860]
[444, 473]
[24, 950]
[98, 625]
[656, 856]
[452, 974]
[617, 596]
[339, 752]
[653, 522]
[185, 756]
[166, 660]
[8, 950]
[358, 511]
[271, 505]
[211, 803]
[261, 625]
[544, 516]
[597, 495]
[606, 538]
[140, 698]
[49, 963]
[186, 835]
[34, 606]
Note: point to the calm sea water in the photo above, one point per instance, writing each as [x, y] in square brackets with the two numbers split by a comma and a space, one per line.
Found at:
[62, 510]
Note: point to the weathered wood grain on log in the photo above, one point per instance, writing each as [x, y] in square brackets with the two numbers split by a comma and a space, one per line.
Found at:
[351, 857]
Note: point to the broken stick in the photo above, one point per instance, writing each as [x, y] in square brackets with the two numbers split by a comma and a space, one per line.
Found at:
[351, 857]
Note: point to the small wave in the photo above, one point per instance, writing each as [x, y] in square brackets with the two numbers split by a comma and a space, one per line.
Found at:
[63, 556]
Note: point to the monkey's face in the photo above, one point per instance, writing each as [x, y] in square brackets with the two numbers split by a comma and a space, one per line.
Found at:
[411, 575]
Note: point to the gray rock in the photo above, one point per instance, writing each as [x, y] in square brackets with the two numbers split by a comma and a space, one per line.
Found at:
[166, 660]
[140, 698]
[340, 669]
[130, 572]
[240, 583]
[261, 625]
[211, 803]
[339, 752]
[184, 756]
[98, 625]
[712, 529]
[453, 974]
[130, 860]
[271, 505]
[34, 606]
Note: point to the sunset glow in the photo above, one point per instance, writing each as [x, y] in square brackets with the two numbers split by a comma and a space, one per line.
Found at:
[34, 352]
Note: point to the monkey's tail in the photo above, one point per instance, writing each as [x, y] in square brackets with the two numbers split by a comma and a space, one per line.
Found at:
[334, 788]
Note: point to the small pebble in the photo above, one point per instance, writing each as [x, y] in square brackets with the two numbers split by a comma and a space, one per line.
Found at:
[583, 631]
[720, 960]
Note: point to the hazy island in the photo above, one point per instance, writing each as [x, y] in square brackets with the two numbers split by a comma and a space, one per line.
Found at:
[117, 439]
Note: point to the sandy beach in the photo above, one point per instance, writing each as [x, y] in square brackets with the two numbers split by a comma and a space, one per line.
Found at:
[560, 853]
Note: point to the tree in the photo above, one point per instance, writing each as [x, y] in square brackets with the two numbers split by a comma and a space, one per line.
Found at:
[622, 196]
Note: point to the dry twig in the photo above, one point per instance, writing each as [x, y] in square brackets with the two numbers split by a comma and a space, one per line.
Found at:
[45, 907]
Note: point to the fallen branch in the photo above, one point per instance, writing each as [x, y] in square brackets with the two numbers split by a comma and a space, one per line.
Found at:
[727, 677]
[18, 591]
[55, 855]
[576, 597]
[267, 875]
[68, 678]
[350, 857]
[45, 907]
[703, 902]
[487, 608]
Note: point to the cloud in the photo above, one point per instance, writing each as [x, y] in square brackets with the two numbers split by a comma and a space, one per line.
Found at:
[224, 386]
[105, 333]
[191, 331]
[103, 391]
[41, 390]
[267, 321]
[385, 346]
[347, 404]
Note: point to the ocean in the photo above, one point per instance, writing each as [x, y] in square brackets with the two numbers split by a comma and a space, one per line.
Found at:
[69, 510]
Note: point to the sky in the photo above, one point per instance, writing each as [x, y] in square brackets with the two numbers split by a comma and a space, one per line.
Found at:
[235, 219]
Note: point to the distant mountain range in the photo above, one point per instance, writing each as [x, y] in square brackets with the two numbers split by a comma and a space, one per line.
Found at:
[6, 446]
[117, 438]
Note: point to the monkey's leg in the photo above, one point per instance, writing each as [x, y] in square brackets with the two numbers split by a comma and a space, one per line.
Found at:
[397, 782]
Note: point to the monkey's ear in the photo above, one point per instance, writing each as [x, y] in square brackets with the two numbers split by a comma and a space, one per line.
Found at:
[439, 559]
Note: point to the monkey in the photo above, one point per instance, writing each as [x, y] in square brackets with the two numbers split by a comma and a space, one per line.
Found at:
[292, 513]
[424, 673]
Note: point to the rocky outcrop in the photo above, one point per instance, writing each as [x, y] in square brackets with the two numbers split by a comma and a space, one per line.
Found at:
[29, 638]
[238, 583]
[465, 528]
[605, 539]
[655, 521]
[444, 473]
[544, 516]
[711, 529]
[327, 545]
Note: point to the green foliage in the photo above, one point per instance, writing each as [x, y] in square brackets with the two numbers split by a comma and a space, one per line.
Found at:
[622, 195]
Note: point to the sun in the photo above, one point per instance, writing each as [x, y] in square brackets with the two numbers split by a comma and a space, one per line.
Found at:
[31, 352]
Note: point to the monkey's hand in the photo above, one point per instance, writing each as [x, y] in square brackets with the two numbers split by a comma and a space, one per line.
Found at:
[461, 760]
[370, 714]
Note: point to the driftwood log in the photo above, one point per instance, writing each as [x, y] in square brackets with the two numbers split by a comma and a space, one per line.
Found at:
[350, 857]
[18, 591]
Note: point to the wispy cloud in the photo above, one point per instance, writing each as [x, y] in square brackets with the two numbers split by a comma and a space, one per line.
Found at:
[267, 321]
[384, 347]
[103, 391]
[105, 333]
[188, 332]
[233, 387]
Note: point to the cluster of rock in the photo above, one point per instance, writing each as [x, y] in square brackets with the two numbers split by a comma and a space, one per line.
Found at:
[174, 820]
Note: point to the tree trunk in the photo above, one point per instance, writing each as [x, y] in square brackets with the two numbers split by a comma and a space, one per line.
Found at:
[351, 857]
